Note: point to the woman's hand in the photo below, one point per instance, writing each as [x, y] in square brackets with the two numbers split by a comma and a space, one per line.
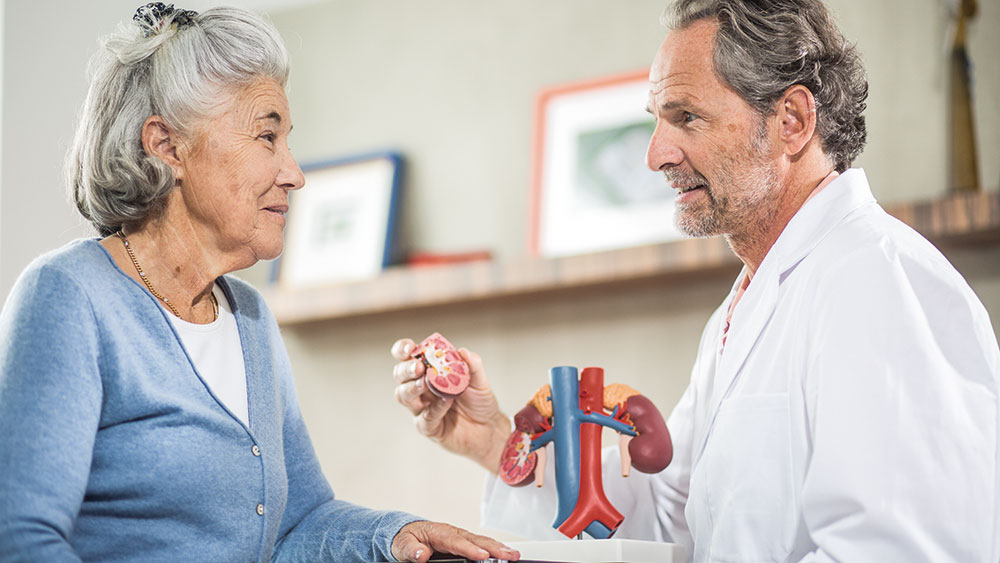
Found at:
[470, 425]
[416, 542]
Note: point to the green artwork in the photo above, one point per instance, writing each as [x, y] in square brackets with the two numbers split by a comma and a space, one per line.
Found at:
[611, 169]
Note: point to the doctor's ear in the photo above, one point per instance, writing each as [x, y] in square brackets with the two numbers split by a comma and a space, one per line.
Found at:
[159, 140]
[796, 114]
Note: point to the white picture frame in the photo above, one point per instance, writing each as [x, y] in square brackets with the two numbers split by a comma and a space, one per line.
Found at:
[341, 225]
[592, 191]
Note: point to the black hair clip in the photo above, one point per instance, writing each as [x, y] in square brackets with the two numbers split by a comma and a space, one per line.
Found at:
[152, 16]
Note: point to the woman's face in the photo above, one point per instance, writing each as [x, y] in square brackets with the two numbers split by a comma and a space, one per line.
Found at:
[235, 178]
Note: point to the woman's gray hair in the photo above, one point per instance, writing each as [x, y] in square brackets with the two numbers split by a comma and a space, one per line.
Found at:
[763, 47]
[179, 65]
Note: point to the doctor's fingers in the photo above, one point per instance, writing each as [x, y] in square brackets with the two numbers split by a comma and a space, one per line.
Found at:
[414, 396]
[430, 422]
[402, 348]
[407, 371]
[477, 371]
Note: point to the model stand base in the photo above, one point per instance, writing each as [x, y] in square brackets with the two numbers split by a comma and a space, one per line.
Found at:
[600, 551]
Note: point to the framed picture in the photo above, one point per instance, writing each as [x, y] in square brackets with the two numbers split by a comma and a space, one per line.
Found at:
[341, 225]
[591, 189]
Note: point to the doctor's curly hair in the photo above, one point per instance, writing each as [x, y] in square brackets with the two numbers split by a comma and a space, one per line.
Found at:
[763, 47]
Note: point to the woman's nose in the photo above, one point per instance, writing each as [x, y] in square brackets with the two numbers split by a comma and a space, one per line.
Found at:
[290, 176]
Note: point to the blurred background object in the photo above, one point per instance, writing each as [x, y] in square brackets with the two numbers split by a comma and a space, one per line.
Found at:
[964, 169]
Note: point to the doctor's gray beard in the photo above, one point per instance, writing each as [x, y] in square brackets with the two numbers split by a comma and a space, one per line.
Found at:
[740, 199]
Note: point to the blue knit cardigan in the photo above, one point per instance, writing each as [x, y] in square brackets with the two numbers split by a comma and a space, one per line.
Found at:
[112, 447]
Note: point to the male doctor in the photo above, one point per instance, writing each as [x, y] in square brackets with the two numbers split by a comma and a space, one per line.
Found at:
[843, 406]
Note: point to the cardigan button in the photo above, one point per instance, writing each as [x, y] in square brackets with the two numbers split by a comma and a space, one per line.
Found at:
[255, 450]
[260, 509]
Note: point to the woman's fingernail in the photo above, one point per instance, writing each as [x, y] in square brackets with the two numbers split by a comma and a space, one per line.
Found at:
[413, 368]
[417, 554]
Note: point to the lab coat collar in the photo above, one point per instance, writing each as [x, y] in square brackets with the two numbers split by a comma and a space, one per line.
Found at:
[816, 219]
[807, 228]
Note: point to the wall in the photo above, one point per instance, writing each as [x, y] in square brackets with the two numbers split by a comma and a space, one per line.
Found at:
[44, 82]
[451, 84]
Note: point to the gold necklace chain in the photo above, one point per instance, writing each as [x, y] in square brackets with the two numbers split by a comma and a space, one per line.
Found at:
[149, 286]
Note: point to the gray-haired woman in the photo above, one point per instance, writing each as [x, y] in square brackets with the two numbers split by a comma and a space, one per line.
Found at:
[146, 400]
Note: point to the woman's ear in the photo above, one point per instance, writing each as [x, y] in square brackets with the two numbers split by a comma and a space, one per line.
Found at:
[797, 114]
[160, 141]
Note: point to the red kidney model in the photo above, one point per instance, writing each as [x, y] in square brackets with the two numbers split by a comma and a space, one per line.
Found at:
[447, 373]
[571, 413]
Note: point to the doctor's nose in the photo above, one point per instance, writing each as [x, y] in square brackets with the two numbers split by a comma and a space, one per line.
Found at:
[663, 152]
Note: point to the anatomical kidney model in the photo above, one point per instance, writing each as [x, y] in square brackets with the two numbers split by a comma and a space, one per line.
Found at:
[571, 412]
[447, 373]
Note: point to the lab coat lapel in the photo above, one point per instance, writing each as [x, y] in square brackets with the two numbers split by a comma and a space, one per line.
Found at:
[806, 229]
[749, 320]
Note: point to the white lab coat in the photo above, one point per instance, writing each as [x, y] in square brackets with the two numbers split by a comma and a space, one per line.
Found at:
[852, 415]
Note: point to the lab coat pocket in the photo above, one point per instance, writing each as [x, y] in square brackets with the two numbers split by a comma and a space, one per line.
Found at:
[748, 475]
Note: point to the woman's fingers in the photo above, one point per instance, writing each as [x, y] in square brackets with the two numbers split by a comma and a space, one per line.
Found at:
[417, 540]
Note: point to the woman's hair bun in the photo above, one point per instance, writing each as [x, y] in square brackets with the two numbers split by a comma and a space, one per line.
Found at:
[157, 16]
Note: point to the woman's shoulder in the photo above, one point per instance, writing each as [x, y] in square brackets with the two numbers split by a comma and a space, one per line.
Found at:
[83, 261]
[61, 282]
[81, 256]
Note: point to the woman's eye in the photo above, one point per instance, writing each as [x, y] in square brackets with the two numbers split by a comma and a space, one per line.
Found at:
[688, 117]
[269, 137]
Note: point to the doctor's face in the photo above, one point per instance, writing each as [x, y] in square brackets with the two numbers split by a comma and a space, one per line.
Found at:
[711, 146]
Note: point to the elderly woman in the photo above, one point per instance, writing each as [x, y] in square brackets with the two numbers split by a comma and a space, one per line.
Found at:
[147, 405]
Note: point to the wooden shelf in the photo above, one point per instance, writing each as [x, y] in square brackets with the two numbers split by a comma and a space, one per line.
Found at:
[956, 220]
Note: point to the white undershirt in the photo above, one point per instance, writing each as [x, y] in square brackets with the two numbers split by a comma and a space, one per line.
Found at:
[217, 355]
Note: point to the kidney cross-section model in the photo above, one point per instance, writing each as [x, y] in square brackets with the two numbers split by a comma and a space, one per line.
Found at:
[447, 373]
[571, 413]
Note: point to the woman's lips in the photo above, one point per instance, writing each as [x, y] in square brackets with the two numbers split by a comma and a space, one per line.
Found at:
[278, 212]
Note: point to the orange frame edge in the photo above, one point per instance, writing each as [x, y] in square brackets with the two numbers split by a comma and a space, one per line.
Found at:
[537, 167]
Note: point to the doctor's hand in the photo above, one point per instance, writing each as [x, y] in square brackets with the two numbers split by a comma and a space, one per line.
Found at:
[470, 425]
[416, 542]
